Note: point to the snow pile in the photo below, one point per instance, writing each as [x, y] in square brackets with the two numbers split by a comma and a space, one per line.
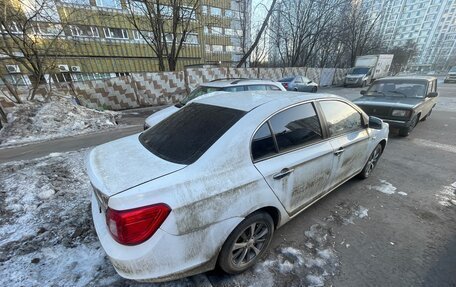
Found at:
[385, 187]
[447, 196]
[36, 121]
[46, 232]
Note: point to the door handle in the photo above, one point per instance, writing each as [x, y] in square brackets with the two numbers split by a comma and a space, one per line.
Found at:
[284, 172]
[339, 151]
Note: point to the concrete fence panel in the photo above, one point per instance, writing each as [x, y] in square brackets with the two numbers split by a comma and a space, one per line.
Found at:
[113, 94]
[196, 76]
[159, 88]
[339, 77]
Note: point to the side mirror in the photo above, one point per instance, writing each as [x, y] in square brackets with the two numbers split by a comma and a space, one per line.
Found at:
[363, 92]
[433, 94]
[375, 123]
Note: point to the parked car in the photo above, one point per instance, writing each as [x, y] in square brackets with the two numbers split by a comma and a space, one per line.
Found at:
[367, 69]
[400, 101]
[451, 76]
[210, 184]
[220, 85]
[299, 84]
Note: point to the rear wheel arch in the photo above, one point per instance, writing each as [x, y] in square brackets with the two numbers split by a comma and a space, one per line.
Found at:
[383, 143]
[272, 211]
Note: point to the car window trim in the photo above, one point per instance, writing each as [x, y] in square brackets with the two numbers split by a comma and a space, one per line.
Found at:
[278, 152]
[363, 119]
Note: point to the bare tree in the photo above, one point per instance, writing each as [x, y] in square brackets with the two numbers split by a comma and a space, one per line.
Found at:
[165, 26]
[303, 26]
[31, 37]
[402, 55]
[259, 34]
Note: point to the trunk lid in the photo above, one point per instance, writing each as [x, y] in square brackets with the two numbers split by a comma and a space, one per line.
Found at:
[125, 163]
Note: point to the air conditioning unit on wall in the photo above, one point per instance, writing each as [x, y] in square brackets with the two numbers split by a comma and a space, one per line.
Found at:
[64, 68]
[13, 69]
[75, 68]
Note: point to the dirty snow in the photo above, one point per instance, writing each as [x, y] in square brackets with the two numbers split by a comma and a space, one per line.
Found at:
[60, 117]
[447, 196]
[384, 187]
[46, 232]
[313, 261]
[402, 193]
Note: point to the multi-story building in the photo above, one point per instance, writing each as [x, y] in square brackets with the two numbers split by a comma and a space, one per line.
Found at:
[431, 24]
[102, 43]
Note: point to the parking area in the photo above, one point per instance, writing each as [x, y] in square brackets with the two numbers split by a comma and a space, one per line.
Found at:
[397, 228]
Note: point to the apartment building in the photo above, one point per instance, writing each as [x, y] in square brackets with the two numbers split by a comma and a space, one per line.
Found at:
[102, 43]
[431, 24]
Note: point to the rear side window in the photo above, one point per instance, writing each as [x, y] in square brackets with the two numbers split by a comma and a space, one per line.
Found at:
[186, 135]
[257, 88]
[235, 89]
[341, 117]
[263, 143]
[297, 126]
[293, 128]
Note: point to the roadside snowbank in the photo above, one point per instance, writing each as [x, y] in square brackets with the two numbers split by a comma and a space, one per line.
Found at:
[60, 117]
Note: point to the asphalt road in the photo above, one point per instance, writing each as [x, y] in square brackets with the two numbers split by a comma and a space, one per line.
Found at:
[408, 237]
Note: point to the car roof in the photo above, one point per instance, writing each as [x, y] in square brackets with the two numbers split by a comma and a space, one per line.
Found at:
[223, 83]
[248, 100]
[426, 78]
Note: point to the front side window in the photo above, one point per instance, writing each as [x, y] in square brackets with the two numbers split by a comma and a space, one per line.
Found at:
[274, 88]
[186, 135]
[341, 117]
[296, 126]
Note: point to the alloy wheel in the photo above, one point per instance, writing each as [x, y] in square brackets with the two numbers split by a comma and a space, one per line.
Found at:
[249, 244]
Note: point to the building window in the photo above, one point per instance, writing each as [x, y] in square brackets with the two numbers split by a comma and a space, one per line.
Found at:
[84, 31]
[109, 4]
[188, 13]
[229, 49]
[115, 33]
[204, 9]
[137, 36]
[208, 48]
[48, 29]
[229, 32]
[217, 30]
[77, 2]
[229, 13]
[217, 48]
[137, 7]
[166, 10]
[216, 11]
[191, 39]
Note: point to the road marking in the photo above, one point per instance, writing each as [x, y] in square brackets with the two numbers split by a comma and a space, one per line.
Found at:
[440, 146]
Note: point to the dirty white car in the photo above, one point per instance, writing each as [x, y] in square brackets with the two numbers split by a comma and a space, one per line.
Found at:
[216, 86]
[209, 185]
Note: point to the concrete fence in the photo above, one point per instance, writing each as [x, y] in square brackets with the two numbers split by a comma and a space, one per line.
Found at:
[149, 89]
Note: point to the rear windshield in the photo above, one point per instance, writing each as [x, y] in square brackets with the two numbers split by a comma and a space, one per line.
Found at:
[284, 80]
[453, 69]
[201, 90]
[186, 135]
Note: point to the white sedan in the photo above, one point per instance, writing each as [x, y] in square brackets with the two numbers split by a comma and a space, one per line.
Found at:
[210, 184]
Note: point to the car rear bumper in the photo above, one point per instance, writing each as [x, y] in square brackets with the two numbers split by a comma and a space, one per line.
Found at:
[451, 80]
[164, 256]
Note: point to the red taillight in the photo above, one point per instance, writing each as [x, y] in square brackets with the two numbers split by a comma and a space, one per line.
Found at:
[134, 226]
[285, 85]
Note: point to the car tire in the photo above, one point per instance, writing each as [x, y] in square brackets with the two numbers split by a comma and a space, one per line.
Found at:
[404, 132]
[364, 84]
[314, 89]
[250, 248]
[371, 162]
[295, 89]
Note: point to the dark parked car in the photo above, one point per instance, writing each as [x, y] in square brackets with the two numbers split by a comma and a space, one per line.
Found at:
[299, 84]
[451, 76]
[400, 101]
